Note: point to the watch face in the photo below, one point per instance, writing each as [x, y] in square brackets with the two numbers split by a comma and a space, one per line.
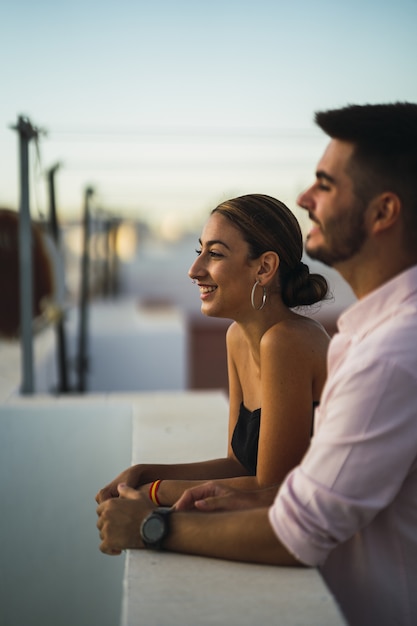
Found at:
[154, 529]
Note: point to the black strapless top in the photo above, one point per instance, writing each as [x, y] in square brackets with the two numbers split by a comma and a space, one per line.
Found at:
[245, 437]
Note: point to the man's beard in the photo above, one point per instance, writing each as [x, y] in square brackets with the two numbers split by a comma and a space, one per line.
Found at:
[343, 238]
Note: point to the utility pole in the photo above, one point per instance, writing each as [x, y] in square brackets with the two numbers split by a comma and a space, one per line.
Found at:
[62, 362]
[53, 220]
[82, 360]
[26, 133]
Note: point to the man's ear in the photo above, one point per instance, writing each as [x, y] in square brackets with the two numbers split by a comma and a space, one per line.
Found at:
[385, 211]
[269, 264]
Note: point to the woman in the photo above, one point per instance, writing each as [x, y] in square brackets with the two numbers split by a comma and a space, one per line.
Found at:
[249, 269]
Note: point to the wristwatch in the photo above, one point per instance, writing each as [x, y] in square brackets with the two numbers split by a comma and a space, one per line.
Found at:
[155, 527]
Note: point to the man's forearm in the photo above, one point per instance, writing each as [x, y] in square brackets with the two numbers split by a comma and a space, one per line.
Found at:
[232, 535]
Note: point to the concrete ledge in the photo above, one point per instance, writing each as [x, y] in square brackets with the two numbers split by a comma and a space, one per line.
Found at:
[180, 590]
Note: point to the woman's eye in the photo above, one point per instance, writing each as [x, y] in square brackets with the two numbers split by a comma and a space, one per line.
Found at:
[211, 253]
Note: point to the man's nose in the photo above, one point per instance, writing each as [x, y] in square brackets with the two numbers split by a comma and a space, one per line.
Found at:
[304, 199]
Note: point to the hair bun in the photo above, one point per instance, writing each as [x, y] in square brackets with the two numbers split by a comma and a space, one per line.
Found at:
[301, 270]
[301, 288]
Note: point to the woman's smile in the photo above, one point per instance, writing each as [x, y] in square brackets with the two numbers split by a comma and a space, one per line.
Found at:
[206, 290]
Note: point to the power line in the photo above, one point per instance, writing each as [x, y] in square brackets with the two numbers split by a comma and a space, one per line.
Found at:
[189, 132]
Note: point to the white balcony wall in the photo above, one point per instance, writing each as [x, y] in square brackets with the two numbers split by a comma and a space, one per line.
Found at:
[54, 456]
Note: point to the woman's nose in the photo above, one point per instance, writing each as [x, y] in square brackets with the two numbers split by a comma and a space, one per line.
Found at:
[193, 272]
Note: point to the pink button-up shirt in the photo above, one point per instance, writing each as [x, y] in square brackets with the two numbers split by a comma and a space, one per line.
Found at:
[351, 505]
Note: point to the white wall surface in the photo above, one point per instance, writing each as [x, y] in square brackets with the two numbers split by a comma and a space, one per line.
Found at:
[54, 456]
[136, 349]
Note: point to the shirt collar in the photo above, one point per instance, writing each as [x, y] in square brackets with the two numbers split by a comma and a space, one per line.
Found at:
[370, 311]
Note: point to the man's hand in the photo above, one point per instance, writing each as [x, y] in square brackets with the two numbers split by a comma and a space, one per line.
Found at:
[119, 520]
[213, 497]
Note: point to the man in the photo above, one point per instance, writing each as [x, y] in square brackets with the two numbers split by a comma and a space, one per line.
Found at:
[350, 508]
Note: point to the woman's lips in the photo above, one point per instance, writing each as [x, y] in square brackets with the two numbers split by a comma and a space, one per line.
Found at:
[206, 290]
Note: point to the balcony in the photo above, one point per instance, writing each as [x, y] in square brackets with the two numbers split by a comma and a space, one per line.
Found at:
[57, 451]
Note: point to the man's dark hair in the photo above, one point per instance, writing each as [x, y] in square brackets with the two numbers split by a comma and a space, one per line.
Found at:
[385, 154]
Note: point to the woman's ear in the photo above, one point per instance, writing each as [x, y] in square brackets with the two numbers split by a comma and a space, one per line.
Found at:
[269, 264]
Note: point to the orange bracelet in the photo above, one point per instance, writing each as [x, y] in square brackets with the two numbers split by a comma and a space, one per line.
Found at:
[153, 491]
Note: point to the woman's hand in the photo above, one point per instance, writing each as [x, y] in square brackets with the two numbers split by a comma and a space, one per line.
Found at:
[130, 477]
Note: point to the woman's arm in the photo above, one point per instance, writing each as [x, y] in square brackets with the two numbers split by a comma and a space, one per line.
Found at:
[290, 358]
[169, 491]
[139, 476]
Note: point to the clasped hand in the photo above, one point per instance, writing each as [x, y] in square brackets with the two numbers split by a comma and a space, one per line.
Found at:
[119, 520]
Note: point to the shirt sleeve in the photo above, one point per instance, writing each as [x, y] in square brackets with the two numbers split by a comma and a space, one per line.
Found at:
[357, 461]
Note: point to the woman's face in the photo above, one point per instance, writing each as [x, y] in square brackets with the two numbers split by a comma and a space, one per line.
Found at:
[223, 271]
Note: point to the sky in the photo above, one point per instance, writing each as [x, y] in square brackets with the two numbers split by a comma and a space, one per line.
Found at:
[167, 108]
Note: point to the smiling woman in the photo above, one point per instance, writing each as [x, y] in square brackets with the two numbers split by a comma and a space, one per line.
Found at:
[249, 269]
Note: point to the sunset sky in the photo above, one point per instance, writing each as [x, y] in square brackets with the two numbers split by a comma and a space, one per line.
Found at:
[166, 108]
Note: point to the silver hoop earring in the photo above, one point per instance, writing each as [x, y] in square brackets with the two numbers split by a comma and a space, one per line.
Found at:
[252, 297]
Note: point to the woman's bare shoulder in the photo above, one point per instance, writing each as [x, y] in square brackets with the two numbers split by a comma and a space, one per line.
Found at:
[298, 330]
